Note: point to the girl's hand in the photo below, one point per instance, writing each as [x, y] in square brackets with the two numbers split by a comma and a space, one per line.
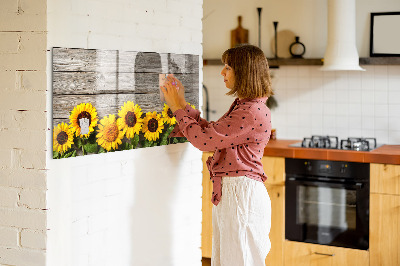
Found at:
[174, 93]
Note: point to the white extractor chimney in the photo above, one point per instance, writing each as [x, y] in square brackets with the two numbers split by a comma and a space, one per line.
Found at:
[341, 51]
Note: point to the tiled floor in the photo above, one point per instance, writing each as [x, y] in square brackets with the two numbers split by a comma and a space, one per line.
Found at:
[206, 261]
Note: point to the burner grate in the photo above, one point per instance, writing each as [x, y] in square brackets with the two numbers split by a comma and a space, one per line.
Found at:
[358, 144]
[332, 142]
[327, 142]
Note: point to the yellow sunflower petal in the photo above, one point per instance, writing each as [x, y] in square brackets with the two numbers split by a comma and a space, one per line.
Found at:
[62, 138]
[109, 133]
[130, 119]
[153, 125]
[83, 110]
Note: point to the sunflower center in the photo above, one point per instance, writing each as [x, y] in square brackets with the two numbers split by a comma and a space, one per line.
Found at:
[111, 133]
[152, 125]
[62, 138]
[169, 113]
[84, 114]
[130, 119]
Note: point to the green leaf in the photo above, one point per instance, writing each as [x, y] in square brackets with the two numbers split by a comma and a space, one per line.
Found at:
[148, 143]
[90, 148]
[135, 141]
[92, 138]
[175, 140]
[67, 154]
[78, 142]
[73, 153]
[102, 150]
[56, 155]
[165, 135]
[126, 146]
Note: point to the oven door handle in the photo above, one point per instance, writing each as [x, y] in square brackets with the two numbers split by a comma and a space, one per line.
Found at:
[357, 185]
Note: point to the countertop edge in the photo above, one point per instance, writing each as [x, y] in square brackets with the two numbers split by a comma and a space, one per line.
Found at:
[386, 154]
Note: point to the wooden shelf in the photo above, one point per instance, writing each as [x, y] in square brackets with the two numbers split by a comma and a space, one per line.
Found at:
[274, 63]
[380, 61]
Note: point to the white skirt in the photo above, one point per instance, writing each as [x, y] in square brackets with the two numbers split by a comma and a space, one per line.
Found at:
[241, 223]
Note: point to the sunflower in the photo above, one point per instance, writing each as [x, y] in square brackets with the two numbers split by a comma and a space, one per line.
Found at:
[109, 134]
[83, 111]
[130, 119]
[153, 126]
[191, 105]
[168, 116]
[63, 138]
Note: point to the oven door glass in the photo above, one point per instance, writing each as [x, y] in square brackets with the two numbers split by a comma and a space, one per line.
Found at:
[325, 207]
[327, 214]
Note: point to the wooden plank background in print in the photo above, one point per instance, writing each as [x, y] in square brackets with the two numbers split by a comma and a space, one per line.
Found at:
[109, 78]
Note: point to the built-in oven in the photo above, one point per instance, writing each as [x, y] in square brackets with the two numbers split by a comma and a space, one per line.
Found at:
[327, 202]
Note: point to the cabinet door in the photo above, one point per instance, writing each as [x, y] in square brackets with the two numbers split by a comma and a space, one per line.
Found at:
[274, 168]
[206, 232]
[277, 233]
[385, 178]
[305, 254]
[384, 236]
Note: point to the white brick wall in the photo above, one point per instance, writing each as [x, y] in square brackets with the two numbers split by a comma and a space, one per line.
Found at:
[140, 207]
[23, 132]
[34, 239]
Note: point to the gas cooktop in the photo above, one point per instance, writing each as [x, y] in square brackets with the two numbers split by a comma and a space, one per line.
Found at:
[332, 142]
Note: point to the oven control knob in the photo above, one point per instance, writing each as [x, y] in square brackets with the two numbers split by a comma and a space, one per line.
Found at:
[308, 166]
[343, 168]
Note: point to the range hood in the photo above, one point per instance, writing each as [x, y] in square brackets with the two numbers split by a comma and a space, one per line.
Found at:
[341, 51]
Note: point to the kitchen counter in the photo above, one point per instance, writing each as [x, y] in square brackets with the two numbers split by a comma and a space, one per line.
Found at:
[389, 154]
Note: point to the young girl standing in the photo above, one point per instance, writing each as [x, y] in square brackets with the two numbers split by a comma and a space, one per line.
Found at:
[242, 208]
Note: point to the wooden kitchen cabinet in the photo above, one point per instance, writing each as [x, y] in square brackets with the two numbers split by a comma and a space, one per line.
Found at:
[385, 178]
[305, 254]
[384, 236]
[206, 225]
[274, 168]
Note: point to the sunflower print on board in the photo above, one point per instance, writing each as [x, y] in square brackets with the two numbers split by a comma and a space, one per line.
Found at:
[109, 134]
[63, 138]
[83, 111]
[130, 121]
[168, 116]
[153, 126]
[191, 105]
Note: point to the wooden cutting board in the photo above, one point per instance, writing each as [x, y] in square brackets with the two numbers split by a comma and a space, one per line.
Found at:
[239, 35]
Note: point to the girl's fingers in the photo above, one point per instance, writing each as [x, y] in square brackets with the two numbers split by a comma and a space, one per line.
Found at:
[164, 90]
[168, 87]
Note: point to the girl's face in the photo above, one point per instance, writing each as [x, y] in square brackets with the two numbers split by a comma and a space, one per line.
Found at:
[229, 76]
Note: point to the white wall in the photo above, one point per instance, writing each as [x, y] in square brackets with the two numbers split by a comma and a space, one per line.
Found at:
[343, 104]
[23, 132]
[311, 102]
[139, 207]
[305, 18]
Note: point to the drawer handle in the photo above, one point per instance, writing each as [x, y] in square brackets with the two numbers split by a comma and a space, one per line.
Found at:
[325, 254]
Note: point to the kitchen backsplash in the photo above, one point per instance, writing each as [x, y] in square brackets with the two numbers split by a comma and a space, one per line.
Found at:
[314, 102]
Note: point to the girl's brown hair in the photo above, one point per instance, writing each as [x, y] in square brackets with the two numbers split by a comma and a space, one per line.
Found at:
[250, 66]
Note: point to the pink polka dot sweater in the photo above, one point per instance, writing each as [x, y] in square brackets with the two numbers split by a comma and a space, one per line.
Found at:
[238, 139]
